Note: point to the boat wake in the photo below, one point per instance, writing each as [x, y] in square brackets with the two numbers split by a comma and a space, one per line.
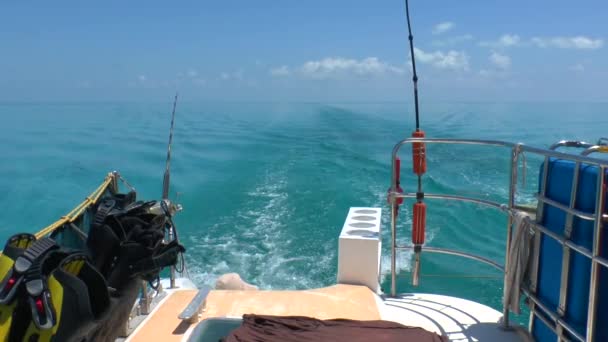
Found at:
[255, 242]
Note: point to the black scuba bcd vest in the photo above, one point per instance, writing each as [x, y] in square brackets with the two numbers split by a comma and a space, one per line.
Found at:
[49, 293]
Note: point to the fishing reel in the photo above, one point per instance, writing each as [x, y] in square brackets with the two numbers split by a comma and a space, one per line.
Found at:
[165, 207]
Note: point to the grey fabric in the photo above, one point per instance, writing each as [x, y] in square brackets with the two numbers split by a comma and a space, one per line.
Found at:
[519, 255]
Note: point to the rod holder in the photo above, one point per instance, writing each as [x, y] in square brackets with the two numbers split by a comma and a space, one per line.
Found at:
[144, 301]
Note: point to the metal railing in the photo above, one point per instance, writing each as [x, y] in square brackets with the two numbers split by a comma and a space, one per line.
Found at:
[552, 318]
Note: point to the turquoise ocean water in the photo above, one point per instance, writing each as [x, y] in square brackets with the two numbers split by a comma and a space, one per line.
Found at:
[266, 187]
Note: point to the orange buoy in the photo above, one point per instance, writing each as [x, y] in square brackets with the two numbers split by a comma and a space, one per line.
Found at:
[418, 154]
[419, 223]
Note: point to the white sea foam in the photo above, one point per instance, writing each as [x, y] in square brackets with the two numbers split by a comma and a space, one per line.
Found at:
[259, 247]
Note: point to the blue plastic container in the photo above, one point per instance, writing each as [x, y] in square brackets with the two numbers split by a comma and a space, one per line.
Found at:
[559, 185]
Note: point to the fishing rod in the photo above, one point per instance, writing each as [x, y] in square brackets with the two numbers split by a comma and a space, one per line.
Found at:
[415, 76]
[166, 204]
[418, 164]
[167, 175]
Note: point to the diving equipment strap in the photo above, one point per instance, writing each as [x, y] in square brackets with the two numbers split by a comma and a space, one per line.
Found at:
[26, 269]
[167, 256]
[103, 210]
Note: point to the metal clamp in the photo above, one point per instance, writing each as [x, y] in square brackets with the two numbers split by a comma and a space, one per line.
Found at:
[192, 311]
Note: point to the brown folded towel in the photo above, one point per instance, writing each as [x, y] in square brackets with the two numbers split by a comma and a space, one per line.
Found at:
[304, 329]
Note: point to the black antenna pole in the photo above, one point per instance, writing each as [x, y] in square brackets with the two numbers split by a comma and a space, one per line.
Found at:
[415, 78]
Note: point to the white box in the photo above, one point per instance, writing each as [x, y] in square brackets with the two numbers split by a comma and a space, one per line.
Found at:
[359, 248]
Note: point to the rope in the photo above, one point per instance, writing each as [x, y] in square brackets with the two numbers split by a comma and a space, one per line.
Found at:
[127, 184]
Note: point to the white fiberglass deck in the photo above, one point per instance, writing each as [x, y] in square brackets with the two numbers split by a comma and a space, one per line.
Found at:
[458, 319]
[359, 264]
[354, 297]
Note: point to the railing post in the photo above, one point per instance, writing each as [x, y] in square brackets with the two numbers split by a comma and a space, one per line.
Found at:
[393, 224]
[540, 211]
[393, 253]
[564, 283]
[597, 240]
[172, 267]
[114, 184]
[512, 192]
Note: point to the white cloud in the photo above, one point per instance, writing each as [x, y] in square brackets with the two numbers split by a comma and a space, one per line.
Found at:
[577, 42]
[232, 76]
[453, 40]
[453, 60]
[509, 40]
[578, 67]
[192, 73]
[506, 40]
[443, 27]
[144, 81]
[500, 60]
[280, 71]
[336, 66]
[190, 76]
[485, 73]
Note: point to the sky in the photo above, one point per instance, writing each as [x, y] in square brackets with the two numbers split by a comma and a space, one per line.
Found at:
[289, 50]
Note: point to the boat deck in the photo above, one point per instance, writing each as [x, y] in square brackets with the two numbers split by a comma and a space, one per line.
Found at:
[459, 319]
